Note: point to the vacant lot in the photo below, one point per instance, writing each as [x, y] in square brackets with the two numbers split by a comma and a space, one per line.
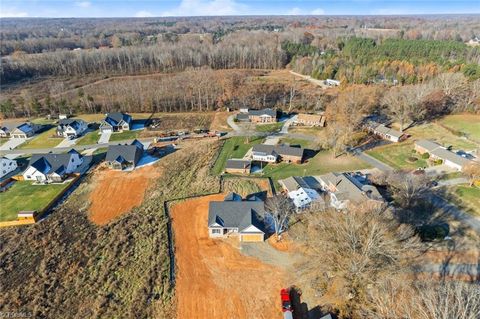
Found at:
[219, 122]
[214, 280]
[99, 116]
[397, 156]
[25, 196]
[45, 139]
[467, 124]
[235, 147]
[322, 163]
[184, 121]
[246, 186]
[116, 192]
[469, 198]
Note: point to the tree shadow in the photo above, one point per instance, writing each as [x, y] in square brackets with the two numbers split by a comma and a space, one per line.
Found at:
[301, 309]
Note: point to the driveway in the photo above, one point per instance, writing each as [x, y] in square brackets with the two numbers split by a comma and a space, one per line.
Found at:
[12, 143]
[232, 124]
[287, 124]
[104, 137]
[66, 142]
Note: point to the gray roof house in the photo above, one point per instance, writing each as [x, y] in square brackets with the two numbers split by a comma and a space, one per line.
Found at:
[272, 153]
[385, 132]
[124, 156]
[116, 122]
[437, 151]
[25, 130]
[71, 127]
[259, 116]
[233, 216]
[238, 166]
[52, 167]
[303, 191]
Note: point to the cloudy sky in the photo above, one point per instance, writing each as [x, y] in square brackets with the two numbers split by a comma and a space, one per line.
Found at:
[157, 8]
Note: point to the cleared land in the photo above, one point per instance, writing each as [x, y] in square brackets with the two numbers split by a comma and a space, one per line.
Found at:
[214, 280]
[440, 134]
[468, 124]
[116, 192]
[468, 198]
[246, 186]
[234, 147]
[42, 140]
[219, 122]
[25, 196]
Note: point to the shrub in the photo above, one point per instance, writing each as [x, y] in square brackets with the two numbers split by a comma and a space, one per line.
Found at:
[412, 159]
[425, 155]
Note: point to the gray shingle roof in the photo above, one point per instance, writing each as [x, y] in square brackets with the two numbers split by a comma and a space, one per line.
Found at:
[295, 182]
[268, 111]
[238, 164]
[121, 153]
[450, 156]
[116, 117]
[236, 214]
[430, 146]
[49, 163]
[348, 188]
[278, 149]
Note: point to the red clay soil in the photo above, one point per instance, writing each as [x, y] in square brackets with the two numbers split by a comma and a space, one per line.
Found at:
[214, 280]
[117, 192]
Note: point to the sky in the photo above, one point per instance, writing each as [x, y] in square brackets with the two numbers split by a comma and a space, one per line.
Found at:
[162, 8]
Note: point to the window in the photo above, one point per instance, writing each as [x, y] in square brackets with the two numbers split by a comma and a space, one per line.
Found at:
[28, 176]
[216, 231]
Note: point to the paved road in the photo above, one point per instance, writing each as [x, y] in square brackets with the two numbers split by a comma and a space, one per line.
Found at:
[374, 162]
[287, 124]
[232, 124]
[453, 181]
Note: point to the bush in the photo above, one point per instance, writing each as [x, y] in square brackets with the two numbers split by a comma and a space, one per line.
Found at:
[438, 162]
[425, 155]
[412, 159]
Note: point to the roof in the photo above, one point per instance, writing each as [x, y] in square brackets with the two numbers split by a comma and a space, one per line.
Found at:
[430, 146]
[75, 123]
[310, 117]
[51, 163]
[25, 127]
[233, 197]
[450, 156]
[263, 148]
[382, 129]
[125, 152]
[236, 214]
[295, 182]
[242, 116]
[116, 117]
[347, 187]
[278, 149]
[238, 164]
[268, 111]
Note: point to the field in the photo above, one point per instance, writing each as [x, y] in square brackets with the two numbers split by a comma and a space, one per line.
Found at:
[322, 163]
[89, 138]
[25, 196]
[42, 140]
[468, 124]
[99, 116]
[269, 128]
[126, 135]
[441, 135]
[469, 198]
[396, 156]
[3, 140]
[297, 141]
[246, 186]
[184, 121]
[115, 192]
[219, 122]
[234, 147]
[214, 279]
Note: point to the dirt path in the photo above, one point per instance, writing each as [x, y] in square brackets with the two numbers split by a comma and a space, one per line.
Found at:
[117, 192]
[214, 280]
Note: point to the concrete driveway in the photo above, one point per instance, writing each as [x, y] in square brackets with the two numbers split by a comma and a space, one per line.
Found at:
[232, 124]
[287, 124]
[12, 143]
[104, 137]
[66, 142]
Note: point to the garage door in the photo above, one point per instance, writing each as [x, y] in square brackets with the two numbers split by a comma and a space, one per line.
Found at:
[252, 237]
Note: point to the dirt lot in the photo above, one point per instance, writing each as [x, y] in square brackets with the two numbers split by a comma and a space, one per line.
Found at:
[116, 192]
[219, 122]
[214, 279]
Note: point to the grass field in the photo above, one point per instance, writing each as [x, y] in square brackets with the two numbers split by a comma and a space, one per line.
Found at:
[235, 147]
[396, 156]
[126, 135]
[268, 128]
[468, 124]
[100, 116]
[43, 140]
[441, 135]
[89, 138]
[322, 163]
[469, 198]
[25, 196]
[3, 140]
[296, 141]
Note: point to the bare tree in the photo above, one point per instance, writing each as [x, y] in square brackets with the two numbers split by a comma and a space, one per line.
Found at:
[280, 208]
[472, 171]
[407, 188]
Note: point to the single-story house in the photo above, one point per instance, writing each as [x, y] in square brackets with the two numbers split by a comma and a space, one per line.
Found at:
[236, 217]
[71, 128]
[345, 188]
[439, 152]
[385, 132]
[238, 166]
[303, 191]
[259, 116]
[47, 168]
[115, 122]
[124, 156]
[307, 119]
[25, 130]
[7, 166]
[274, 153]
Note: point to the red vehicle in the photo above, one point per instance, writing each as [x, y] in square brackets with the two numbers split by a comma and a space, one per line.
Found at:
[286, 303]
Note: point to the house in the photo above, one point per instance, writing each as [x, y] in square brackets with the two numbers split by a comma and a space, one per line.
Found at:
[25, 130]
[385, 132]
[6, 129]
[48, 168]
[303, 192]
[62, 116]
[438, 152]
[238, 166]
[274, 153]
[115, 122]
[258, 116]
[307, 119]
[345, 189]
[124, 156]
[331, 82]
[234, 216]
[71, 128]
[7, 166]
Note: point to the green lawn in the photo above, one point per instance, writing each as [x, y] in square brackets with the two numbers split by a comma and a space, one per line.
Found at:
[25, 196]
[267, 128]
[89, 138]
[469, 198]
[126, 135]
[396, 156]
[322, 163]
[234, 147]
[296, 141]
[468, 124]
[42, 140]
[3, 140]
[441, 135]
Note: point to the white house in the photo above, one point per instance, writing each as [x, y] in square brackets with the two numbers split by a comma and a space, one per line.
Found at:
[71, 128]
[115, 122]
[24, 130]
[47, 168]
[301, 190]
[7, 166]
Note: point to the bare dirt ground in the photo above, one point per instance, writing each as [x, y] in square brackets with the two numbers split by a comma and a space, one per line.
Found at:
[214, 280]
[219, 122]
[116, 192]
